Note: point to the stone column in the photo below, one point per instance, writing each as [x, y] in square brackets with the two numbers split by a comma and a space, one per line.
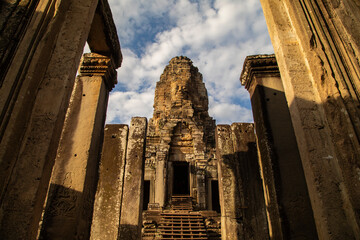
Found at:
[317, 58]
[17, 15]
[200, 181]
[250, 187]
[72, 187]
[288, 204]
[243, 214]
[160, 178]
[34, 96]
[231, 228]
[132, 201]
[108, 198]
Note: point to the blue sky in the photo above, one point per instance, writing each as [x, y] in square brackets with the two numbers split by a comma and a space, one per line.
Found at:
[216, 35]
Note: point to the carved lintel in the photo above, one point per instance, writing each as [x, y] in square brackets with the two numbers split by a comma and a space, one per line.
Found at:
[94, 64]
[260, 64]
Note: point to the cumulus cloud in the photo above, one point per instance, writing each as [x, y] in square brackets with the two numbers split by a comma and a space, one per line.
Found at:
[216, 35]
[226, 113]
[125, 105]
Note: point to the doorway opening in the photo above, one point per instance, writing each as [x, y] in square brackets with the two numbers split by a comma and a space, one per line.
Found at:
[215, 196]
[146, 198]
[181, 178]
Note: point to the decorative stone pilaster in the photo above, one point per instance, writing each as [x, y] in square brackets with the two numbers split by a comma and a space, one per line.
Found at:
[73, 177]
[231, 227]
[200, 182]
[160, 178]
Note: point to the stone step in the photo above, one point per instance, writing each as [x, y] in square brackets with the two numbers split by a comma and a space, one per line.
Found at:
[180, 222]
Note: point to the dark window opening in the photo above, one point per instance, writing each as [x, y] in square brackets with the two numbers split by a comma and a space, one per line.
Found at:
[215, 196]
[181, 178]
[146, 198]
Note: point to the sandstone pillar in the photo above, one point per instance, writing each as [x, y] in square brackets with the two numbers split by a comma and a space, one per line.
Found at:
[241, 201]
[132, 201]
[288, 205]
[250, 186]
[108, 198]
[73, 177]
[228, 192]
[160, 179]
[34, 95]
[200, 182]
[14, 17]
[317, 53]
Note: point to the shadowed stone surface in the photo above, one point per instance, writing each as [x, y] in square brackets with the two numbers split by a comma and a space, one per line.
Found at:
[241, 195]
[288, 205]
[318, 59]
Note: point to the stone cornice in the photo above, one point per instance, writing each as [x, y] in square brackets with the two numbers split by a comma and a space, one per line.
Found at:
[258, 64]
[94, 64]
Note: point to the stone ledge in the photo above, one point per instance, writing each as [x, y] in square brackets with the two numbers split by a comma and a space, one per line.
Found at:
[94, 64]
[258, 63]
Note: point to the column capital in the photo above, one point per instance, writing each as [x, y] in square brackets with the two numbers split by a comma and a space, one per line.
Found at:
[94, 64]
[258, 64]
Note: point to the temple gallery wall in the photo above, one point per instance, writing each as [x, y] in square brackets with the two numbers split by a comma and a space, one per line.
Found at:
[292, 174]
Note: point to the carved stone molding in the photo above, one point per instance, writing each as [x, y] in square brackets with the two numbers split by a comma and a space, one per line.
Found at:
[94, 64]
[258, 64]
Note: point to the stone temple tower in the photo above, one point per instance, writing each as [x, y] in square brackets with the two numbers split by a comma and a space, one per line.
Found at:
[180, 143]
[180, 177]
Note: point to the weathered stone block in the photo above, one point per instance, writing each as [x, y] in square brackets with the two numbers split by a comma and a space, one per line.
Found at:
[249, 182]
[108, 198]
[131, 206]
[231, 226]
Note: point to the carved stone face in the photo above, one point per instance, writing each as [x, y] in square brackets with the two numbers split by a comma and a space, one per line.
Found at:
[178, 90]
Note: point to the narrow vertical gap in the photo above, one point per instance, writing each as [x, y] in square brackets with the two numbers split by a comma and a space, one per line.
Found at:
[146, 195]
[215, 195]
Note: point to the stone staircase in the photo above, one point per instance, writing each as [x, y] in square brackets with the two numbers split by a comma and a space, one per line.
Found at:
[182, 225]
[179, 221]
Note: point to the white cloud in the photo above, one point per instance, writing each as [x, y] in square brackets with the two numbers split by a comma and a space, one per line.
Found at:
[216, 37]
[226, 112]
[125, 105]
